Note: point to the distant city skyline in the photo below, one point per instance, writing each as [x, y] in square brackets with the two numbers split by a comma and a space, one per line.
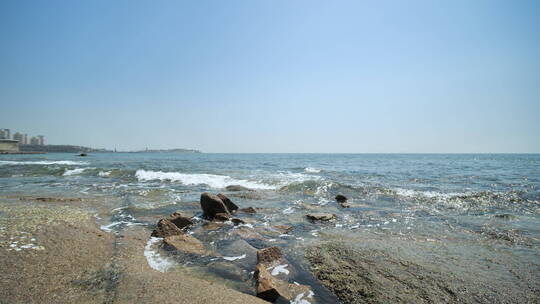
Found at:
[274, 76]
[22, 138]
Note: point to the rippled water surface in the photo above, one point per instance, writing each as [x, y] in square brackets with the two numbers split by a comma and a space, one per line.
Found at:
[457, 213]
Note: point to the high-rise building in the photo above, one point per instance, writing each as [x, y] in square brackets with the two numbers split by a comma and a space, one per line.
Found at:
[34, 141]
[41, 140]
[18, 136]
[22, 138]
[5, 134]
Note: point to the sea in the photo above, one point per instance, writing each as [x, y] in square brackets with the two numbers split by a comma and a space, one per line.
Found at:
[473, 216]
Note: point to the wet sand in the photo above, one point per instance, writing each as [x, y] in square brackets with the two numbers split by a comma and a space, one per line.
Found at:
[52, 251]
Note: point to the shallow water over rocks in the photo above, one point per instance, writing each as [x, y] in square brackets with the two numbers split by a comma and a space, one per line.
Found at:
[473, 220]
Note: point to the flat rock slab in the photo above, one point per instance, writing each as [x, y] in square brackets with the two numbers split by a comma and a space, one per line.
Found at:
[185, 243]
[373, 276]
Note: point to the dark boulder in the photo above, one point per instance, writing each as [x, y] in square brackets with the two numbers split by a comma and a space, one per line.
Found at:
[180, 221]
[238, 221]
[211, 205]
[222, 217]
[321, 217]
[228, 203]
[341, 198]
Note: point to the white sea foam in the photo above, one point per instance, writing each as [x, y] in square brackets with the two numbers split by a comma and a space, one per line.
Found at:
[154, 259]
[426, 194]
[299, 299]
[235, 258]
[288, 210]
[104, 173]
[285, 178]
[312, 170]
[212, 180]
[280, 269]
[43, 162]
[109, 227]
[74, 171]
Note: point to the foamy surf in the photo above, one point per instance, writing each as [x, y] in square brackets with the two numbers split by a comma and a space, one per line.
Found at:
[154, 259]
[69, 172]
[212, 180]
[312, 170]
[104, 173]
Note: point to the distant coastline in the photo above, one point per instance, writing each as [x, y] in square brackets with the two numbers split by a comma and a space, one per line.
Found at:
[59, 149]
[25, 149]
[167, 151]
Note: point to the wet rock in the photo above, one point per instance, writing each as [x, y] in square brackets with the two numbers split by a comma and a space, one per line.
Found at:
[273, 260]
[212, 226]
[246, 233]
[165, 228]
[239, 248]
[341, 198]
[250, 195]
[185, 243]
[342, 201]
[212, 204]
[231, 207]
[249, 210]
[180, 221]
[269, 255]
[222, 217]
[283, 229]
[55, 199]
[321, 217]
[271, 289]
[238, 221]
[505, 216]
[228, 271]
[345, 205]
[237, 188]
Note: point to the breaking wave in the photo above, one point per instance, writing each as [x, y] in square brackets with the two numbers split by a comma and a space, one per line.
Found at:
[212, 180]
[312, 170]
[69, 172]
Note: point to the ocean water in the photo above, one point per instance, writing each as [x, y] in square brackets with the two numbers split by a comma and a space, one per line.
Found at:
[476, 216]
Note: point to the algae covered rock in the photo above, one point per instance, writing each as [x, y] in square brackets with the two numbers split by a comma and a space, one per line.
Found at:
[165, 228]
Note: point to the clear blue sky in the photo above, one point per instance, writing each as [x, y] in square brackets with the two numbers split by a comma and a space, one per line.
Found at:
[274, 76]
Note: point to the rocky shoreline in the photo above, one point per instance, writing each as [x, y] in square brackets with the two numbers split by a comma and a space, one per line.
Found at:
[71, 260]
[53, 251]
